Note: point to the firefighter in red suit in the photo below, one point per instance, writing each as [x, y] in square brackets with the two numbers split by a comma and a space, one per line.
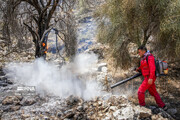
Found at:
[148, 71]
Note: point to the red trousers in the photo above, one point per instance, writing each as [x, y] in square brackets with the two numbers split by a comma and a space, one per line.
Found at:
[152, 90]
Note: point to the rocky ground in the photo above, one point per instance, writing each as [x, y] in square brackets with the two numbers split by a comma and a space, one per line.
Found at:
[105, 107]
[118, 104]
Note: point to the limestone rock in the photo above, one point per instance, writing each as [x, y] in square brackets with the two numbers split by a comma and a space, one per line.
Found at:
[11, 100]
[143, 115]
[28, 101]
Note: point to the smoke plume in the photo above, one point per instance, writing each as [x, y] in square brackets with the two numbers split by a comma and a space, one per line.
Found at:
[71, 79]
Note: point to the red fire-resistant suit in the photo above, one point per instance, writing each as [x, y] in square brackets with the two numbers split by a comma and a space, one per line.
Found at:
[148, 71]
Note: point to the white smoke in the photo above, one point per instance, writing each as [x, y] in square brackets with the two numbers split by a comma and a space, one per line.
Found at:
[84, 62]
[70, 79]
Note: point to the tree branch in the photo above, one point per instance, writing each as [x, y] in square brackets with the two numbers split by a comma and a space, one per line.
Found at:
[51, 12]
[61, 37]
[44, 9]
[36, 5]
[34, 34]
[42, 3]
[46, 31]
[16, 4]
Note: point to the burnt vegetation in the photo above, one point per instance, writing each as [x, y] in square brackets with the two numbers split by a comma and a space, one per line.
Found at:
[26, 20]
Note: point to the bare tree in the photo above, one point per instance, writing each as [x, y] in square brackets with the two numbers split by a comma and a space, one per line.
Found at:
[40, 16]
[12, 34]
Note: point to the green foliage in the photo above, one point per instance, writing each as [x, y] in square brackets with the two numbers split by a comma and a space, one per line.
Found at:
[169, 36]
[135, 21]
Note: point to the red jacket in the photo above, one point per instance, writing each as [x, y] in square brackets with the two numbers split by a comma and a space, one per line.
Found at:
[148, 68]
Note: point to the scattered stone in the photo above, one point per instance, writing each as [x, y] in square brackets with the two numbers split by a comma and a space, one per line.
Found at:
[3, 78]
[95, 104]
[80, 116]
[158, 117]
[85, 106]
[11, 100]
[24, 116]
[29, 56]
[152, 107]
[105, 110]
[116, 113]
[101, 65]
[80, 108]
[15, 108]
[46, 118]
[143, 115]
[113, 108]
[28, 101]
[74, 108]
[99, 103]
[104, 69]
[68, 111]
[19, 97]
[106, 97]
[59, 114]
[69, 115]
[9, 82]
[155, 110]
[127, 112]
[71, 100]
[1, 72]
[172, 111]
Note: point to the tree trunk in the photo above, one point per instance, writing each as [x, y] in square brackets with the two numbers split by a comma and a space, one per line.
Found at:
[146, 37]
[40, 49]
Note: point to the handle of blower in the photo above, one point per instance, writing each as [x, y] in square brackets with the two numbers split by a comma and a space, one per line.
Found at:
[125, 80]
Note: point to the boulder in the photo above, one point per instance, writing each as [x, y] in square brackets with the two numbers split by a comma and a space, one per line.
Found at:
[28, 101]
[9, 100]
